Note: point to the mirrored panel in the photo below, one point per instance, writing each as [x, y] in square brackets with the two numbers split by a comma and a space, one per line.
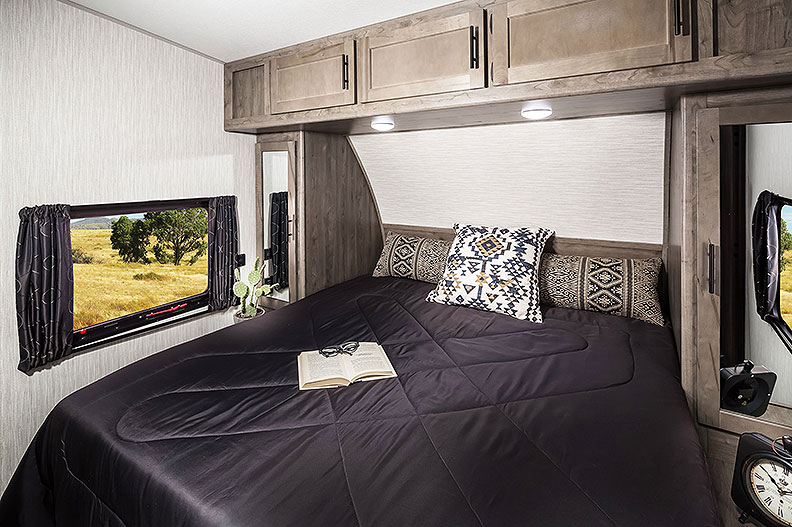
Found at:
[756, 267]
[275, 188]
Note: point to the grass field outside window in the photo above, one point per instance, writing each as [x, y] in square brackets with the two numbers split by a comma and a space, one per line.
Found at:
[108, 288]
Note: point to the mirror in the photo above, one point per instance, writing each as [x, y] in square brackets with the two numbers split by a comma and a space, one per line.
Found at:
[756, 265]
[273, 197]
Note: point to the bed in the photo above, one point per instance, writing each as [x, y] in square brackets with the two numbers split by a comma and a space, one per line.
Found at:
[492, 421]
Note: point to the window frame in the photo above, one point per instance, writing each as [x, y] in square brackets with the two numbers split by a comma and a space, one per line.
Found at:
[153, 317]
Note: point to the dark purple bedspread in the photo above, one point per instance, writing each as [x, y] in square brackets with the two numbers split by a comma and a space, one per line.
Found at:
[493, 421]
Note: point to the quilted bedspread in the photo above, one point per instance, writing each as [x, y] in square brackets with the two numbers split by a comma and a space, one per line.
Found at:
[492, 421]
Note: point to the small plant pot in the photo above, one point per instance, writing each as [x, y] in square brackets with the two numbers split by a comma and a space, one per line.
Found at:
[238, 318]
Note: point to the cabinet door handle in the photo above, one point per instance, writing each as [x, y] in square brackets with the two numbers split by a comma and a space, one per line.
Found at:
[712, 260]
[345, 72]
[677, 17]
[474, 54]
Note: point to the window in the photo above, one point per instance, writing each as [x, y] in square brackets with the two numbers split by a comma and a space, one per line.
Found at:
[137, 264]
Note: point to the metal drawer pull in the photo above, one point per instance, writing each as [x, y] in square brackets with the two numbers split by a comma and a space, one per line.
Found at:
[677, 17]
[711, 249]
[345, 72]
[474, 54]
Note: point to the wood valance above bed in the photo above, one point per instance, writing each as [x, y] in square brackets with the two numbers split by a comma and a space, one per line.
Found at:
[556, 244]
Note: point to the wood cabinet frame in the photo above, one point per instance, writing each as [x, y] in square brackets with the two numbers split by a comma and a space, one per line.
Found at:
[470, 23]
[677, 49]
[280, 143]
[701, 351]
[343, 54]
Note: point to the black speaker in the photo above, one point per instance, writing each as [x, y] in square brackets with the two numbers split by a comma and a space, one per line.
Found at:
[746, 388]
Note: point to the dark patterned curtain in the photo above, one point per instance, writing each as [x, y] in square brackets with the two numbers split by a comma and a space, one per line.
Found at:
[44, 285]
[223, 248]
[279, 239]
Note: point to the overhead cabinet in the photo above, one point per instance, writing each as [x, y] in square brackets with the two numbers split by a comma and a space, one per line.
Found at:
[752, 26]
[316, 78]
[542, 39]
[429, 57]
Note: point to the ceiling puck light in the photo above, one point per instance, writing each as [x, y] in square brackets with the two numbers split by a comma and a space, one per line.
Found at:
[382, 124]
[535, 114]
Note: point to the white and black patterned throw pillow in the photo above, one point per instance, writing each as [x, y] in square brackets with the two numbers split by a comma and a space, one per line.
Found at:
[494, 269]
[412, 257]
[617, 286]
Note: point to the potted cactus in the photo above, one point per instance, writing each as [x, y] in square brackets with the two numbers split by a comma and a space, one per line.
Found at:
[250, 292]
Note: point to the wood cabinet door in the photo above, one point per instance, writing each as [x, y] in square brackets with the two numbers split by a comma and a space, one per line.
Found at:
[429, 57]
[249, 96]
[543, 39]
[311, 79]
[749, 26]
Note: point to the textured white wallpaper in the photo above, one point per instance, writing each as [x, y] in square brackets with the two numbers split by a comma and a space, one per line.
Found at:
[598, 178]
[768, 163]
[94, 112]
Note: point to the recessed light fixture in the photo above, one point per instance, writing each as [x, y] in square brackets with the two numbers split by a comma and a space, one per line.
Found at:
[382, 123]
[535, 114]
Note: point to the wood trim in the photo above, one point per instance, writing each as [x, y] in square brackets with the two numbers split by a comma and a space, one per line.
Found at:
[705, 14]
[714, 73]
[705, 175]
[368, 183]
[269, 303]
[228, 93]
[556, 245]
[781, 94]
[498, 47]
[708, 232]
[760, 113]
[682, 241]
[595, 63]
[293, 204]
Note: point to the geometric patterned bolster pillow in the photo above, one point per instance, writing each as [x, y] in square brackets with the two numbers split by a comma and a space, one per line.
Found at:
[494, 269]
[617, 286]
[412, 257]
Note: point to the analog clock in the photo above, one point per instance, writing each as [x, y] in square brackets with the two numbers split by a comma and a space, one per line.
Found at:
[762, 484]
[768, 480]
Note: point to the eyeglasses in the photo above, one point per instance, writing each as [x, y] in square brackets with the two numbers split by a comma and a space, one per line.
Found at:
[347, 347]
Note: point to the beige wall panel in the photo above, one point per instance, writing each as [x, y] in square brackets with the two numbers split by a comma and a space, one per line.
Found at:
[94, 112]
[587, 178]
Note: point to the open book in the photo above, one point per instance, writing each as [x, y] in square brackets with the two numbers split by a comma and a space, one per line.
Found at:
[368, 363]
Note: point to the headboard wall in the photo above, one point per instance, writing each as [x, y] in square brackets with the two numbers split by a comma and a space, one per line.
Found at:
[599, 178]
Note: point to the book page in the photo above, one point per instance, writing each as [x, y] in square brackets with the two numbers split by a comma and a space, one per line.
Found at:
[369, 359]
[314, 367]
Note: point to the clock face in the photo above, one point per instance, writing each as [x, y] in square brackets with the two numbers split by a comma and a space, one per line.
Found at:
[769, 482]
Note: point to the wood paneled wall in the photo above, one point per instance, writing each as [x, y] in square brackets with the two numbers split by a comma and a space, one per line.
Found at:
[342, 233]
[95, 112]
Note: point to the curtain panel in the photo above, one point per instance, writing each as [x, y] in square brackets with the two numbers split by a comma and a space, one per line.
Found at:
[223, 249]
[279, 239]
[44, 285]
